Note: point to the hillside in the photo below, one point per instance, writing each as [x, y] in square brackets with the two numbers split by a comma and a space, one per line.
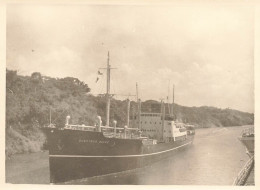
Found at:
[30, 99]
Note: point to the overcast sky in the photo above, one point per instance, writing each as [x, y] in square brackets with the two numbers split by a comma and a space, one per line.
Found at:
[205, 50]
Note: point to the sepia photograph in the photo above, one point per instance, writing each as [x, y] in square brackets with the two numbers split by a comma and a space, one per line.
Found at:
[130, 93]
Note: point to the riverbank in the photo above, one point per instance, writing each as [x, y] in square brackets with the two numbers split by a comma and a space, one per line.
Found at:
[30, 168]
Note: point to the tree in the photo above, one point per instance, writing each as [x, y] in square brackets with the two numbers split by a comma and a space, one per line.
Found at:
[11, 77]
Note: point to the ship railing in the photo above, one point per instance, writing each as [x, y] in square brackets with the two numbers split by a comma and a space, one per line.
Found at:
[119, 128]
[121, 135]
[242, 175]
[80, 127]
[107, 131]
[50, 126]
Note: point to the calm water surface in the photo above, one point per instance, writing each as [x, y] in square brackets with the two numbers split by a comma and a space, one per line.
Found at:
[215, 158]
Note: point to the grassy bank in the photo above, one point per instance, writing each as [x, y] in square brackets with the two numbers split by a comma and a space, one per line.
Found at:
[29, 100]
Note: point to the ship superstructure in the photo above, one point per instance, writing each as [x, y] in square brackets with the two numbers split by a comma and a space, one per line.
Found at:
[161, 128]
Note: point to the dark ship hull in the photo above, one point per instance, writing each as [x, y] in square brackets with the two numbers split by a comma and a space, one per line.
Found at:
[246, 175]
[77, 154]
[249, 143]
[248, 140]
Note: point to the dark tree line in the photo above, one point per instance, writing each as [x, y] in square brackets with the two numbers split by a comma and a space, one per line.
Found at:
[31, 99]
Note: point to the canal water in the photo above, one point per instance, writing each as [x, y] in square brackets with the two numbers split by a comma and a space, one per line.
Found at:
[215, 158]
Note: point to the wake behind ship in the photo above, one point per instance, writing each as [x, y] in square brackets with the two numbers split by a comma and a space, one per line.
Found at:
[79, 151]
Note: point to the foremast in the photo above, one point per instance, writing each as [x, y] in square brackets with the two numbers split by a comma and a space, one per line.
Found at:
[108, 91]
[108, 95]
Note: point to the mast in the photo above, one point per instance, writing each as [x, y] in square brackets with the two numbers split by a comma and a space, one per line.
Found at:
[137, 92]
[139, 113]
[50, 116]
[168, 104]
[172, 100]
[108, 91]
[163, 117]
[138, 101]
[128, 112]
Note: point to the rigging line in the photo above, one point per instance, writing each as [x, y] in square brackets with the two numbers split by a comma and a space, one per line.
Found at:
[95, 86]
[112, 84]
[100, 86]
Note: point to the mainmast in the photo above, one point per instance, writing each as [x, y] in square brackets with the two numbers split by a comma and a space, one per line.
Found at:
[162, 117]
[108, 95]
[138, 101]
[108, 91]
[172, 100]
[137, 93]
[128, 112]
[50, 116]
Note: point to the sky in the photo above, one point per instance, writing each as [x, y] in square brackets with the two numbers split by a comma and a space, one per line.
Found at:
[205, 51]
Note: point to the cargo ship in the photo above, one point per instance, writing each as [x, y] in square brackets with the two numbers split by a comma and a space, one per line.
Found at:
[80, 151]
[247, 138]
[246, 176]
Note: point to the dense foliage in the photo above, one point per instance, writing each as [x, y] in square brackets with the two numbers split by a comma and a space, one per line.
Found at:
[31, 99]
[205, 116]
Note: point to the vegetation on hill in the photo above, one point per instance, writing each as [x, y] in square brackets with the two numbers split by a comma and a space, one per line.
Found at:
[31, 99]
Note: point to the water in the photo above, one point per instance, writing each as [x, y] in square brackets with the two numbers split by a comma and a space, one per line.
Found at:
[28, 169]
[215, 158]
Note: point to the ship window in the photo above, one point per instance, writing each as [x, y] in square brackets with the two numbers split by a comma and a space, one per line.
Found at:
[154, 122]
[145, 122]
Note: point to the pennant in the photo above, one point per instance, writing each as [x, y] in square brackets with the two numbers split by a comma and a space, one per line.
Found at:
[99, 73]
[97, 79]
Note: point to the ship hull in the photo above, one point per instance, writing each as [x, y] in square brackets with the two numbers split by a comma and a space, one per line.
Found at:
[249, 143]
[77, 154]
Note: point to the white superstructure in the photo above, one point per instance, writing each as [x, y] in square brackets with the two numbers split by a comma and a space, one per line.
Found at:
[154, 126]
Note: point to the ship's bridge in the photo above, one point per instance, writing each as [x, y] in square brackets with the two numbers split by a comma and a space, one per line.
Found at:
[155, 126]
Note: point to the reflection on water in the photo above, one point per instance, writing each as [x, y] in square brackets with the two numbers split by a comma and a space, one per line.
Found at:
[215, 158]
